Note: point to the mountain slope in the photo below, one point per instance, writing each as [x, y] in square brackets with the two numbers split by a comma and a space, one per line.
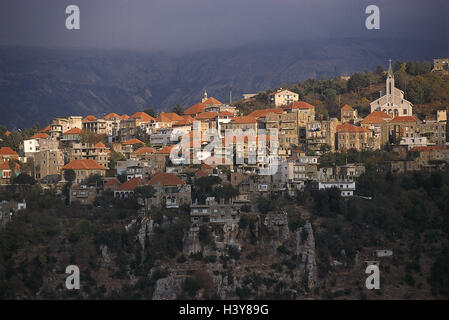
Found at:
[37, 85]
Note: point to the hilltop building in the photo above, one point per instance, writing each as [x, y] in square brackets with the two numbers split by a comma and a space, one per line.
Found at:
[392, 100]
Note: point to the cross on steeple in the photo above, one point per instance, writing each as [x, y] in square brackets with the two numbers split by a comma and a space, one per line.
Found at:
[390, 69]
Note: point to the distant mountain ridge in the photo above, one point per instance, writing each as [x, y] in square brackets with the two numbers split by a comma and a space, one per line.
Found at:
[38, 84]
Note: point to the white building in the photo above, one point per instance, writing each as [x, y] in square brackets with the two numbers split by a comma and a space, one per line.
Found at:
[392, 100]
[346, 188]
[284, 97]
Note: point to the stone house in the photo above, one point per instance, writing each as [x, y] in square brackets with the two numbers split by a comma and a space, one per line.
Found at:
[83, 169]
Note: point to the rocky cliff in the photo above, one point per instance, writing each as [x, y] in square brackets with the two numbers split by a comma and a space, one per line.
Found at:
[261, 259]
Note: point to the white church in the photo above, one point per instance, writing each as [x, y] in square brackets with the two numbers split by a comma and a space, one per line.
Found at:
[392, 100]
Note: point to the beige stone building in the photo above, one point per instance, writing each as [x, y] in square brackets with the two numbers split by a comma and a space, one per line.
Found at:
[98, 152]
[405, 126]
[48, 162]
[61, 125]
[320, 133]
[378, 122]
[283, 97]
[94, 125]
[353, 137]
[171, 191]
[348, 114]
[84, 169]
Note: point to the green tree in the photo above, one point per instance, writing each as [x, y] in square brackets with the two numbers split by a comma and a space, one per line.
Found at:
[115, 157]
[357, 81]
[178, 109]
[226, 192]
[24, 178]
[69, 175]
[150, 112]
[144, 192]
[330, 94]
[380, 70]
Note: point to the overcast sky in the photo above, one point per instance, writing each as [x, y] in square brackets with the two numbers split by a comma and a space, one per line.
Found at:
[179, 25]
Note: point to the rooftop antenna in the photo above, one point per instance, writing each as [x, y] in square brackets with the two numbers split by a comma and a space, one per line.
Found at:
[230, 96]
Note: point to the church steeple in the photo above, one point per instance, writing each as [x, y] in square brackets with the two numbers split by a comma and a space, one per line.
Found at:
[390, 70]
[390, 80]
[205, 96]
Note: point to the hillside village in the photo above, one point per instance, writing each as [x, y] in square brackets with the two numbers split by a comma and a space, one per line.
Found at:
[95, 161]
[130, 151]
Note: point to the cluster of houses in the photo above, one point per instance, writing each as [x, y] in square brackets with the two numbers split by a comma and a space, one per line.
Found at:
[301, 139]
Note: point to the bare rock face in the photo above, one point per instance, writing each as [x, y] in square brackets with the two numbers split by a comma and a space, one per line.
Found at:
[168, 288]
[277, 225]
[145, 231]
[191, 242]
[305, 249]
[296, 270]
[225, 286]
[105, 257]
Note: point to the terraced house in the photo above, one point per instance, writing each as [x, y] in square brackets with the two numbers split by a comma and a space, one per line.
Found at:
[84, 169]
[352, 137]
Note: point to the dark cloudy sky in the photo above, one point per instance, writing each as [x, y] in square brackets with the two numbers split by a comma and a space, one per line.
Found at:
[178, 25]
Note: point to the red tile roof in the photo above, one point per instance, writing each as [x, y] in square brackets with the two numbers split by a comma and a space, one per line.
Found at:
[201, 173]
[195, 109]
[184, 122]
[125, 117]
[166, 179]
[73, 131]
[89, 118]
[46, 129]
[405, 119]
[132, 142]
[347, 127]
[131, 184]
[142, 116]
[165, 150]
[40, 135]
[376, 117]
[6, 165]
[83, 164]
[7, 133]
[245, 119]
[206, 116]
[187, 117]
[168, 117]
[347, 108]
[111, 116]
[299, 105]
[7, 151]
[264, 112]
[101, 145]
[226, 114]
[212, 101]
[206, 166]
[144, 150]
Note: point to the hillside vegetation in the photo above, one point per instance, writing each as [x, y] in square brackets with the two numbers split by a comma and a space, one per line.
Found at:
[428, 91]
